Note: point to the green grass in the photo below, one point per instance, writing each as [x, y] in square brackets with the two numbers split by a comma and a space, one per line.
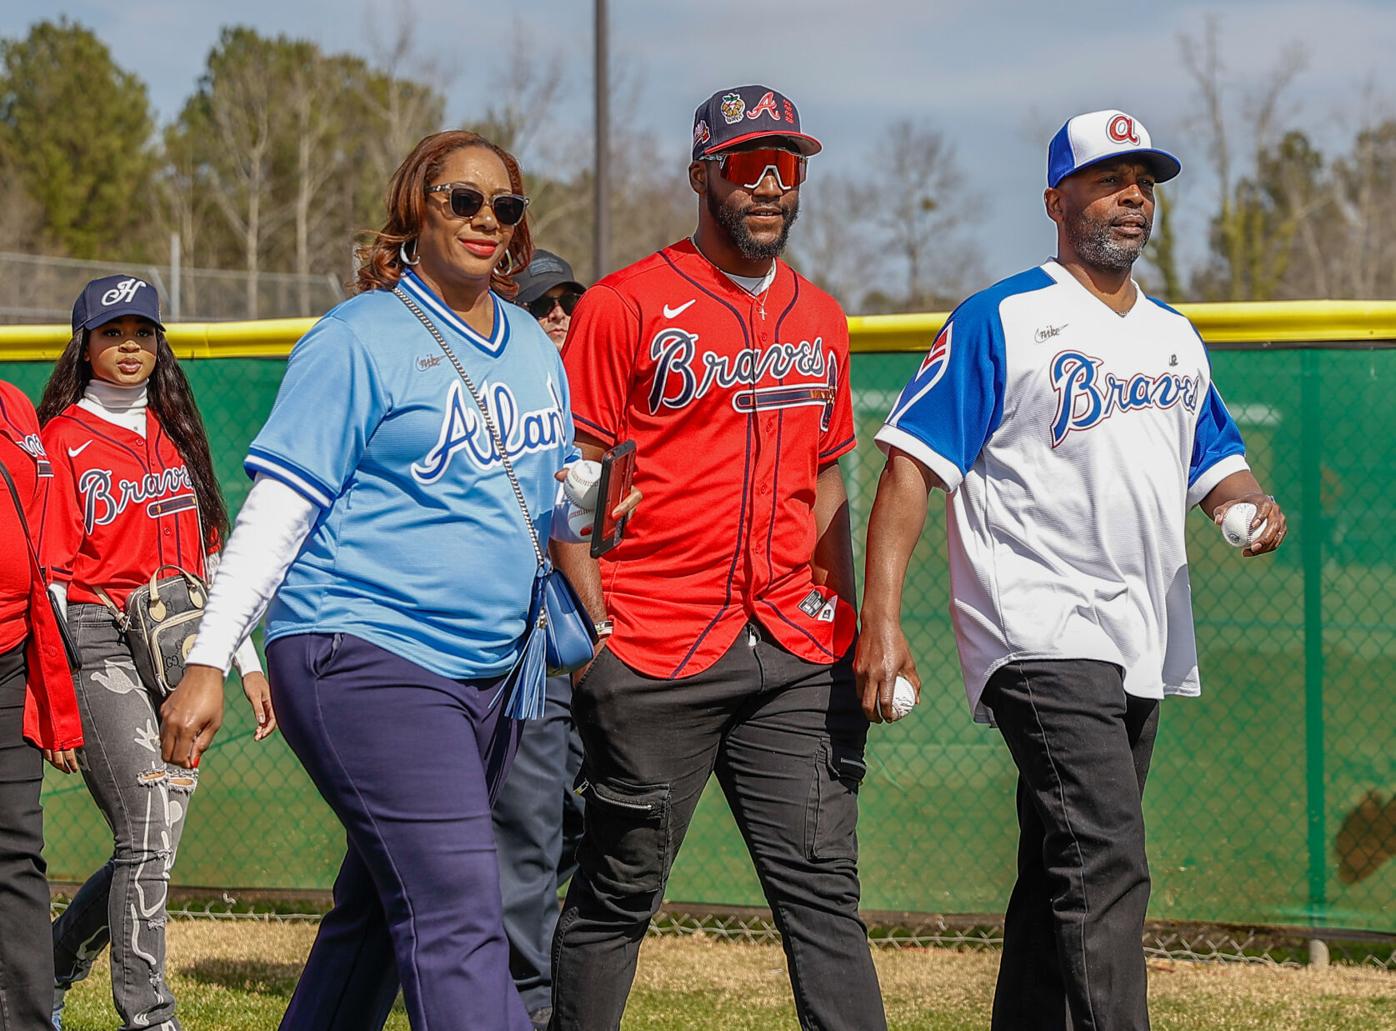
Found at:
[236, 976]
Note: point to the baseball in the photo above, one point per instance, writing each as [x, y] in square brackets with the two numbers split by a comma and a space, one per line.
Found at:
[583, 479]
[580, 520]
[903, 698]
[1236, 525]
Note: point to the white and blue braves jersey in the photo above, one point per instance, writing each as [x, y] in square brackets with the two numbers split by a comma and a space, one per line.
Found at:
[1073, 441]
[420, 546]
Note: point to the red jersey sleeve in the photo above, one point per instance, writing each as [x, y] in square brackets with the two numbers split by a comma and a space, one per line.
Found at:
[839, 438]
[600, 359]
[62, 533]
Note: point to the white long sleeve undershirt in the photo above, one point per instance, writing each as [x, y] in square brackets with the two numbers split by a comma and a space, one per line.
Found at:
[271, 529]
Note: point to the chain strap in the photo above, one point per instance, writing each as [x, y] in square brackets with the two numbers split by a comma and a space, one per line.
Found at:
[403, 296]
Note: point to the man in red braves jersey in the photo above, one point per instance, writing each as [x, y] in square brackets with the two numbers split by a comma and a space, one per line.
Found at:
[733, 598]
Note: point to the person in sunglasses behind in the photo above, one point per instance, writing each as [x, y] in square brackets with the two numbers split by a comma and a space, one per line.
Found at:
[550, 293]
[415, 421]
[733, 597]
[538, 817]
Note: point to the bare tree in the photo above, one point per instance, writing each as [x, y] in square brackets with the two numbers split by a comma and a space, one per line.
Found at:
[404, 101]
[1246, 248]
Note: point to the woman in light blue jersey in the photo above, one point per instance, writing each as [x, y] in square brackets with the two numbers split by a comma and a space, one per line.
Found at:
[385, 531]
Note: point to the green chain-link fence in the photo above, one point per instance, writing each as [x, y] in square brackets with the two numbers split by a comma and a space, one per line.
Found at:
[1272, 800]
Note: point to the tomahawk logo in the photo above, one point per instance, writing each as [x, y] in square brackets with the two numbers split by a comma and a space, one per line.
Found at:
[1121, 130]
[123, 292]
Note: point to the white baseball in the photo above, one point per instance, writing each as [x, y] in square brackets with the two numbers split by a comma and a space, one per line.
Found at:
[579, 521]
[903, 698]
[583, 480]
[1236, 525]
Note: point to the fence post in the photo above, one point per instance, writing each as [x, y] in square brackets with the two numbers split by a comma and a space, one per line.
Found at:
[175, 274]
[1311, 557]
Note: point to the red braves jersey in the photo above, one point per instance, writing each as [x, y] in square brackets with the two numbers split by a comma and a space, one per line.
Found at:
[51, 717]
[735, 403]
[22, 452]
[122, 506]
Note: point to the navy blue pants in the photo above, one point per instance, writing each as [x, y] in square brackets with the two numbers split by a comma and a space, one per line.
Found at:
[537, 824]
[409, 762]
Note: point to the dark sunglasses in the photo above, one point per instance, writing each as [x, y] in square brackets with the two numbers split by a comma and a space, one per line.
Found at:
[466, 201]
[746, 168]
[541, 307]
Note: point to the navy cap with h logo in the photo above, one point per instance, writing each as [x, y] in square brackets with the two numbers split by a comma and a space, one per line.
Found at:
[111, 297]
[743, 113]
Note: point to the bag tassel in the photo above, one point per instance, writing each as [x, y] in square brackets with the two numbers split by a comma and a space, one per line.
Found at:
[531, 685]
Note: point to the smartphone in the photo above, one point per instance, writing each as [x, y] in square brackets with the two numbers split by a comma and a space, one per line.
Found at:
[617, 475]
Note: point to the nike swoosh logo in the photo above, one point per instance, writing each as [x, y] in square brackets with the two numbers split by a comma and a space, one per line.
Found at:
[73, 452]
[673, 313]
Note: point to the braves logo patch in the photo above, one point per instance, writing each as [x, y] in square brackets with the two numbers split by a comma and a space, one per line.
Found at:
[1121, 130]
[937, 358]
[700, 132]
[765, 106]
[733, 107]
[1086, 397]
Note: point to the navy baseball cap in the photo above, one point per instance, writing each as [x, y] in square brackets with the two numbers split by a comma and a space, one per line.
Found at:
[111, 297]
[743, 113]
[1100, 136]
[544, 272]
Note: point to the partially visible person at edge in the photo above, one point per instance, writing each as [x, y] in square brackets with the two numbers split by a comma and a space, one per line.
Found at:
[733, 598]
[538, 815]
[133, 491]
[383, 530]
[1072, 421]
[38, 718]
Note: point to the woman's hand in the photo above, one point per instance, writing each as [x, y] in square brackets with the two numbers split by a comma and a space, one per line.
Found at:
[64, 760]
[191, 716]
[258, 692]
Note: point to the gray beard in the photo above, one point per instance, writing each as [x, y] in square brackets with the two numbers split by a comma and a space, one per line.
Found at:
[1093, 242]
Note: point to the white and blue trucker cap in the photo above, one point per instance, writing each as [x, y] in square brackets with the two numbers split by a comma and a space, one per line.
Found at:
[1103, 136]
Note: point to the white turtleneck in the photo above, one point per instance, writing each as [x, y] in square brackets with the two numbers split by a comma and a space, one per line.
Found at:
[120, 405]
[125, 407]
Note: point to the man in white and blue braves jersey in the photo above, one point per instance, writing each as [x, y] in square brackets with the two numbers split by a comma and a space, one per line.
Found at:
[1073, 421]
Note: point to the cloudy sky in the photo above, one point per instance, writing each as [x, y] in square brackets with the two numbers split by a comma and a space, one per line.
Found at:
[997, 77]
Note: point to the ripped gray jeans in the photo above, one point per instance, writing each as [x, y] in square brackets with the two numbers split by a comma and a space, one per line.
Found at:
[145, 802]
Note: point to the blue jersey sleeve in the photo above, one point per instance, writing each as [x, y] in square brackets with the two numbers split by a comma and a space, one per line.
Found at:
[1217, 449]
[330, 402]
[952, 405]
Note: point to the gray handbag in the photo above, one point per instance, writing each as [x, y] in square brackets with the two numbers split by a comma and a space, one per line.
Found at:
[160, 622]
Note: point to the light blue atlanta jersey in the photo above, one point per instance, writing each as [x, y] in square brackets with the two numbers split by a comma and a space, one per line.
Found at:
[420, 546]
[1073, 441]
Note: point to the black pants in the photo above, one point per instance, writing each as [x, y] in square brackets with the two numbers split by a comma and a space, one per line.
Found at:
[26, 955]
[1073, 930]
[537, 826]
[785, 738]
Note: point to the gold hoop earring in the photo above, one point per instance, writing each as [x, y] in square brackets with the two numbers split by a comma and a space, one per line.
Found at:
[402, 255]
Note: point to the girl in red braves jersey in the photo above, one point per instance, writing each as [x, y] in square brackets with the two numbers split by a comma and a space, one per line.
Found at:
[37, 708]
[133, 490]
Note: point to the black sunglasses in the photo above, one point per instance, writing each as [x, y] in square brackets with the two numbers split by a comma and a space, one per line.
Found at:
[540, 307]
[466, 201]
